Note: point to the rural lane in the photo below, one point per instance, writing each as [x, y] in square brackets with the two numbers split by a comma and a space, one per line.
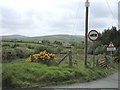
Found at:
[108, 82]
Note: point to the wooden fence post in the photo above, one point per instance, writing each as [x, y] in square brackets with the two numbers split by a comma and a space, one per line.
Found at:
[97, 61]
[106, 61]
[70, 58]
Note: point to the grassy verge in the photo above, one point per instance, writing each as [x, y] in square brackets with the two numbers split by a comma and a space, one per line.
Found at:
[29, 75]
[0, 75]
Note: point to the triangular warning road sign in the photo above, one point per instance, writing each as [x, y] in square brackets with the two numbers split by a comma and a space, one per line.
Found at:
[111, 45]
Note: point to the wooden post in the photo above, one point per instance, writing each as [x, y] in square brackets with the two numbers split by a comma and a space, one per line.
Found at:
[96, 61]
[70, 58]
[86, 31]
[106, 62]
[93, 59]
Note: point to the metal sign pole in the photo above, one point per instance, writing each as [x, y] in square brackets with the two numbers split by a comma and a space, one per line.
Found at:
[93, 35]
[93, 54]
[111, 53]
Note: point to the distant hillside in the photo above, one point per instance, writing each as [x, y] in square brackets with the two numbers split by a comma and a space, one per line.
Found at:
[9, 37]
[52, 38]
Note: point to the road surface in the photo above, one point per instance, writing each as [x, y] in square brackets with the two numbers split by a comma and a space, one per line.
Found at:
[109, 82]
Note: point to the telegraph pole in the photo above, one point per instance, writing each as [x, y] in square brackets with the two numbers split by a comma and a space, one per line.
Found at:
[87, 4]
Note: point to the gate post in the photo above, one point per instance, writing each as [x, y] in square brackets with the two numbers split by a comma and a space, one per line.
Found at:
[70, 58]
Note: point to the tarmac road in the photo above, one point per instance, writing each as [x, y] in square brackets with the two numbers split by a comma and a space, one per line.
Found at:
[108, 82]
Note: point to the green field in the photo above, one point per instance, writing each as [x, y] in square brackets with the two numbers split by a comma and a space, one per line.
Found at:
[17, 73]
[0, 75]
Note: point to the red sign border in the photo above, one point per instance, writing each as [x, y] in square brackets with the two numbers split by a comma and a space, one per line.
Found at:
[92, 31]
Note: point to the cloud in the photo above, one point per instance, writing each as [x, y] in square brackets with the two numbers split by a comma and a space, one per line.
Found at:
[99, 12]
[15, 21]
[46, 17]
[102, 16]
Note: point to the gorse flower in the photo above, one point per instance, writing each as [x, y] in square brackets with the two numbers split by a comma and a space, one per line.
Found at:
[28, 59]
[42, 56]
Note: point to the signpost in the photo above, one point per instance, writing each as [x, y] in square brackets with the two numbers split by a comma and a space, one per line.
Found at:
[93, 36]
[111, 48]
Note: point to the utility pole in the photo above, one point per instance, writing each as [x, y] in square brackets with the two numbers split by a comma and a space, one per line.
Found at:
[86, 30]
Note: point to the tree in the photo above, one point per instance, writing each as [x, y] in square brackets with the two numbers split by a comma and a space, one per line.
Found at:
[45, 42]
[111, 35]
[57, 42]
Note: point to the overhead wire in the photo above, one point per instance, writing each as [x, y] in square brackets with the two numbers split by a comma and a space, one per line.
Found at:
[111, 11]
[76, 21]
[74, 25]
[77, 13]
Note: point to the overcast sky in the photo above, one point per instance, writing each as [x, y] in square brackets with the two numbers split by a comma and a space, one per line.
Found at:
[48, 17]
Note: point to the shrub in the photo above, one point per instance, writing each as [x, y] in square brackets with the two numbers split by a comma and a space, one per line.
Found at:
[45, 42]
[22, 52]
[50, 49]
[15, 45]
[7, 79]
[30, 47]
[8, 54]
[6, 45]
[101, 50]
[39, 49]
[117, 55]
[57, 42]
[58, 49]
[42, 48]
[117, 52]
[42, 57]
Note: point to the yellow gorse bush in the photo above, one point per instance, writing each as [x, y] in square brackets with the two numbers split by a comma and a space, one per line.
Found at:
[42, 56]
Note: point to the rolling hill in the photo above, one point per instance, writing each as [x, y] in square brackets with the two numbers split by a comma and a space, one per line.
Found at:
[51, 38]
[9, 37]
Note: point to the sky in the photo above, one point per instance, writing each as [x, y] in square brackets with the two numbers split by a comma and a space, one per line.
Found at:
[49, 17]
